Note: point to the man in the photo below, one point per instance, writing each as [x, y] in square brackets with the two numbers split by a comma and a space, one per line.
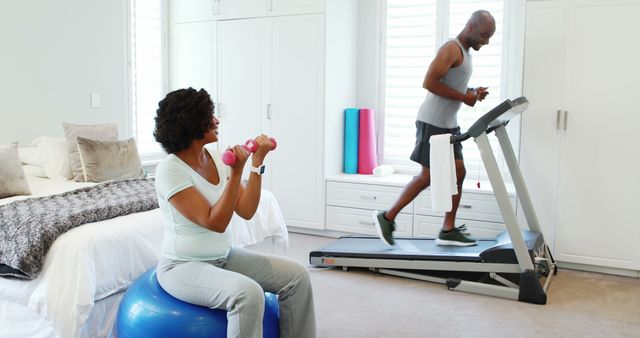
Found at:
[446, 82]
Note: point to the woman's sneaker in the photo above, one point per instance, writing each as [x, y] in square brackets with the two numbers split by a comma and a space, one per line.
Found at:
[384, 227]
[458, 237]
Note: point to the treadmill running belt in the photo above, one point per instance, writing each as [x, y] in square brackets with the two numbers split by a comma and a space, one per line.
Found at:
[405, 248]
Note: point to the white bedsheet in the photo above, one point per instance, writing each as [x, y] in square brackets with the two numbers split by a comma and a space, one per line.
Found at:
[95, 260]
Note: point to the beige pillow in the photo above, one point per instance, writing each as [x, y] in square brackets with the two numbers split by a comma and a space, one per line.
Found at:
[95, 132]
[109, 160]
[13, 181]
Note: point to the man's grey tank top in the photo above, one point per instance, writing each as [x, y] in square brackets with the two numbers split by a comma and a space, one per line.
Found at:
[442, 112]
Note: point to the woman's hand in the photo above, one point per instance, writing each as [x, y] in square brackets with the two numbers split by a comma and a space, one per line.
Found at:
[241, 158]
[264, 146]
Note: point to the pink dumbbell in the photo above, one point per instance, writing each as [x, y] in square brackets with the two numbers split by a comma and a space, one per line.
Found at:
[229, 157]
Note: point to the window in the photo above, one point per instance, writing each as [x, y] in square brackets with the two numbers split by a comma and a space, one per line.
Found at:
[146, 72]
[415, 29]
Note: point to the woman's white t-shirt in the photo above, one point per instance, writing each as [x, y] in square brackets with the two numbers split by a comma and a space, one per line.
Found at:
[183, 239]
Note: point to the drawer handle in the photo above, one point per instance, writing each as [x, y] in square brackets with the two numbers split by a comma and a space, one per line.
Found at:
[371, 198]
[366, 223]
[465, 206]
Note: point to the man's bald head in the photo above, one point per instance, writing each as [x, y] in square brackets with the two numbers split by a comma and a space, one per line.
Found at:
[481, 18]
[479, 29]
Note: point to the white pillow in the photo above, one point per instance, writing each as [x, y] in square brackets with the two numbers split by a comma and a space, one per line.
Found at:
[31, 155]
[55, 158]
[34, 170]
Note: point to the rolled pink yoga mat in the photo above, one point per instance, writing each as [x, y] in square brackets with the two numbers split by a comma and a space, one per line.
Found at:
[367, 156]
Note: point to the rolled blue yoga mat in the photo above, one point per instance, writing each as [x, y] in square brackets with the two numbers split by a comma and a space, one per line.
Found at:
[351, 127]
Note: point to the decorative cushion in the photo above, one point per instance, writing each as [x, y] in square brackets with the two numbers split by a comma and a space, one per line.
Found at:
[12, 178]
[31, 155]
[107, 131]
[109, 160]
[34, 170]
[57, 163]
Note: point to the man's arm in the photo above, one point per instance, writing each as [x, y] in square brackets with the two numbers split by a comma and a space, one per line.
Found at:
[448, 56]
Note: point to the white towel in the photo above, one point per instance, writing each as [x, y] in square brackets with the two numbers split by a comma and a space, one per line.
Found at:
[443, 172]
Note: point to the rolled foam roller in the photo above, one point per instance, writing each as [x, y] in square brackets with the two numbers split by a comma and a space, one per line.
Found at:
[351, 126]
[367, 156]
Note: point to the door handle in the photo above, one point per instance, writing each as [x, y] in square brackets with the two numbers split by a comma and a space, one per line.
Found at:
[269, 111]
[558, 119]
[566, 118]
[366, 223]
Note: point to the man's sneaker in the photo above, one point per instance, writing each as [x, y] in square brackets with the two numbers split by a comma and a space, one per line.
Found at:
[384, 227]
[458, 237]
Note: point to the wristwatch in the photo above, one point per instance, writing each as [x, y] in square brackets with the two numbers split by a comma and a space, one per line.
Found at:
[259, 169]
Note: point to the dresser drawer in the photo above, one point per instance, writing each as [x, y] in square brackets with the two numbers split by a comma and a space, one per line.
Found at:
[473, 206]
[360, 221]
[364, 196]
[429, 226]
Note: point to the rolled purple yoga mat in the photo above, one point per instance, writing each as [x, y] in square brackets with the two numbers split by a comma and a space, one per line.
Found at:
[367, 156]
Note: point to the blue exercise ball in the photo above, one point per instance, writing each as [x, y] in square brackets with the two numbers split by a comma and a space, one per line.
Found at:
[146, 310]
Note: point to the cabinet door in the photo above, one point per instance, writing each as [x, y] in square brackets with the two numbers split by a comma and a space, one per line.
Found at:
[191, 10]
[241, 77]
[192, 55]
[541, 131]
[238, 9]
[297, 118]
[598, 209]
[287, 7]
[359, 221]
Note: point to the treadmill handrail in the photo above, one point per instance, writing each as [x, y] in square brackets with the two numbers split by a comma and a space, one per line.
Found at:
[489, 121]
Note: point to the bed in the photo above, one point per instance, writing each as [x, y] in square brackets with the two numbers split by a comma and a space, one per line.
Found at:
[87, 269]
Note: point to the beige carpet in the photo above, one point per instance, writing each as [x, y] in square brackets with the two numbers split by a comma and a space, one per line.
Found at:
[366, 304]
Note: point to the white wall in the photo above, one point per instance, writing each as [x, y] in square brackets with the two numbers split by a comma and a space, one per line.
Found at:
[54, 54]
[341, 77]
[369, 58]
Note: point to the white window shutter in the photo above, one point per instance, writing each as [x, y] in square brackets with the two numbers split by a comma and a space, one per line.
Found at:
[147, 75]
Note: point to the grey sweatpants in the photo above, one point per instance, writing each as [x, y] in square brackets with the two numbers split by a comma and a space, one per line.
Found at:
[237, 285]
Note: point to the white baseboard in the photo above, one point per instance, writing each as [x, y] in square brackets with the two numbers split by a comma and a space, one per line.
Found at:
[599, 269]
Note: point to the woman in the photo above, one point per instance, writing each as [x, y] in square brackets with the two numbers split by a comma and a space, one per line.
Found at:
[198, 194]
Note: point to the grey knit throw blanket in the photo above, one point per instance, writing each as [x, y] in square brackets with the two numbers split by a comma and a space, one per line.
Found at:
[29, 227]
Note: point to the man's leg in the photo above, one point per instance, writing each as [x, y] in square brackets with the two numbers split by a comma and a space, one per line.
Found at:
[385, 221]
[410, 192]
[450, 217]
[450, 235]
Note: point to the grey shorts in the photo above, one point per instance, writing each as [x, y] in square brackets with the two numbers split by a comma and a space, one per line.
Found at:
[424, 131]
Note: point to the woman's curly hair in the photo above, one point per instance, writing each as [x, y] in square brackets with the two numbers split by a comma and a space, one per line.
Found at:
[183, 115]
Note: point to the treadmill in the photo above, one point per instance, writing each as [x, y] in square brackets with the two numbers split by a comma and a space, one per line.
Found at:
[517, 264]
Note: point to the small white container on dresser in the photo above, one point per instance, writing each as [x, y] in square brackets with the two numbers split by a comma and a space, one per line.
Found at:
[352, 200]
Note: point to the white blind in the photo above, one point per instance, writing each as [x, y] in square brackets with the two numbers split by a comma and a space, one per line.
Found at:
[415, 29]
[147, 75]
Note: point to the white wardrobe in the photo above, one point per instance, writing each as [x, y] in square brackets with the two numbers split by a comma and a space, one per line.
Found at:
[265, 63]
[580, 152]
